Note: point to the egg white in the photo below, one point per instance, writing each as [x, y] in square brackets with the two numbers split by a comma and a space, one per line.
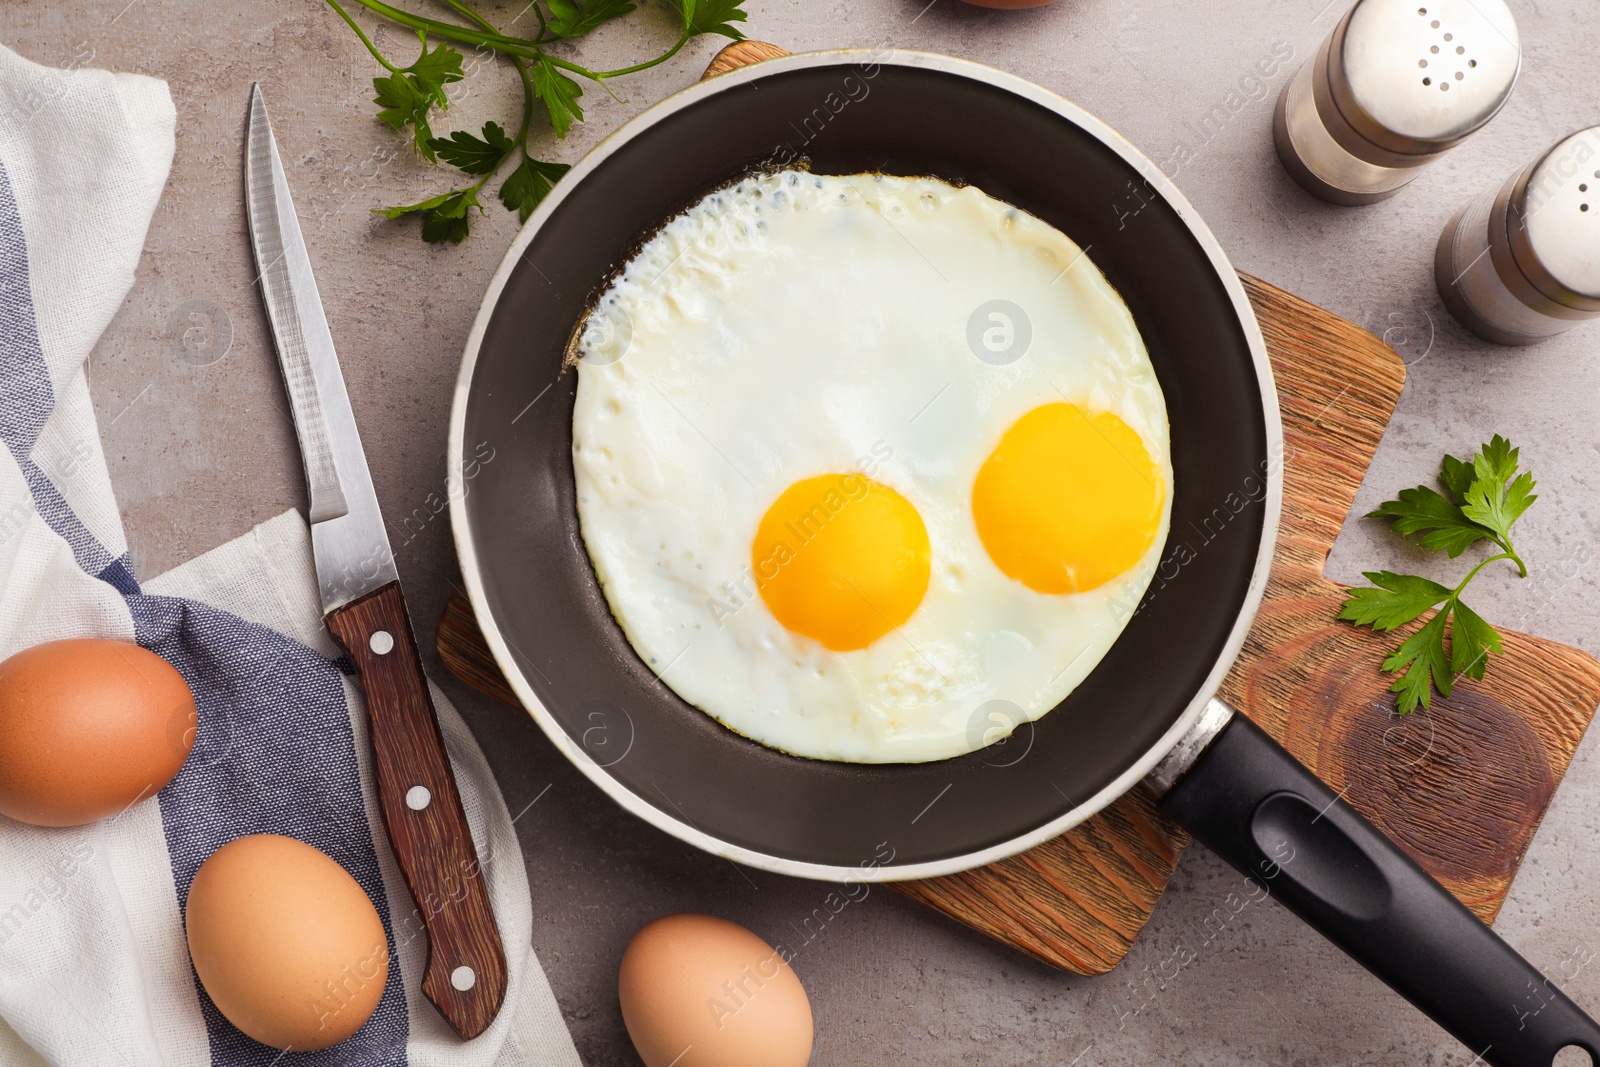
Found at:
[793, 325]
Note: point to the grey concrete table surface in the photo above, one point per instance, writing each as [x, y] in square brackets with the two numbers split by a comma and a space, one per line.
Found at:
[198, 454]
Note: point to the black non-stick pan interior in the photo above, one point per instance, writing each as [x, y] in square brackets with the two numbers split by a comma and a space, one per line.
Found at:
[542, 593]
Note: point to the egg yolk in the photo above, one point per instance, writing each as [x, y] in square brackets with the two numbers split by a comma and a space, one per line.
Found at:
[1067, 501]
[841, 559]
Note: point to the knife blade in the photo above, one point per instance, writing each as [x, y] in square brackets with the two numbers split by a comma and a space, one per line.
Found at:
[366, 614]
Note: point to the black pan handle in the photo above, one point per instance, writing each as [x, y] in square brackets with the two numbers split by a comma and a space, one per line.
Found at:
[1260, 809]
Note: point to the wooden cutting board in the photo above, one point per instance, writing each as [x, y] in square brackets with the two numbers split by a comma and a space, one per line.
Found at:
[1460, 787]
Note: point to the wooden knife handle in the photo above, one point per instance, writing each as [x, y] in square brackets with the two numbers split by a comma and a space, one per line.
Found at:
[466, 973]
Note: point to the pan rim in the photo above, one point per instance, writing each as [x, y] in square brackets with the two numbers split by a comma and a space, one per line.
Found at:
[1130, 777]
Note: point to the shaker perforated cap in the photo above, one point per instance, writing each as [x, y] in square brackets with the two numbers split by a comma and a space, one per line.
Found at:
[1554, 222]
[1417, 76]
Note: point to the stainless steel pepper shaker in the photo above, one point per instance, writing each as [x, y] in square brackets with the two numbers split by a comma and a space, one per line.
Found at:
[1522, 262]
[1396, 85]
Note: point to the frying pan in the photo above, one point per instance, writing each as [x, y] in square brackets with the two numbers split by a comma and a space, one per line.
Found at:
[1144, 718]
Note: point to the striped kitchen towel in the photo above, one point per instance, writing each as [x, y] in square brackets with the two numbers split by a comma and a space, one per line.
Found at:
[93, 964]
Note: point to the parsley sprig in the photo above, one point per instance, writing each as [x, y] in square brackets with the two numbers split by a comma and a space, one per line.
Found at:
[1483, 498]
[407, 96]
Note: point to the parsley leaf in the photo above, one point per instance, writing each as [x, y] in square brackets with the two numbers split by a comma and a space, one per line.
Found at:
[448, 221]
[529, 184]
[434, 70]
[407, 96]
[711, 16]
[1471, 641]
[1486, 496]
[400, 104]
[1497, 460]
[1397, 600]
[1456, 477]
[559, 93]
[475, 155]
[1422, 658]
[1440, 522]
[426, 205]
[444, 217]
[568, 18]
[1490, 501]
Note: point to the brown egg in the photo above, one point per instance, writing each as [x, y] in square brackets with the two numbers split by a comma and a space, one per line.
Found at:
[88, 728]
[286, 943]
[703, 992]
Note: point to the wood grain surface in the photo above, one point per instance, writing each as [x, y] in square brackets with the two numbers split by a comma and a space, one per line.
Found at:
[428, 832]
[1460, 787]
[742, 54]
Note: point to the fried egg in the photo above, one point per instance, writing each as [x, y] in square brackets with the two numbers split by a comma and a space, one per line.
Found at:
[870, 468]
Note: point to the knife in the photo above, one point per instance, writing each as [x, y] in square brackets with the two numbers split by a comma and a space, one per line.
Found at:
[365, 612]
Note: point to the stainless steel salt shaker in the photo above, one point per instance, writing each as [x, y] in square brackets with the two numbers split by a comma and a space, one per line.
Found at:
[1522, 262]
[1396, 85]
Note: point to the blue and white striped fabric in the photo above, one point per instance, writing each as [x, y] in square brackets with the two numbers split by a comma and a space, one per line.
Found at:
[93, 968]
